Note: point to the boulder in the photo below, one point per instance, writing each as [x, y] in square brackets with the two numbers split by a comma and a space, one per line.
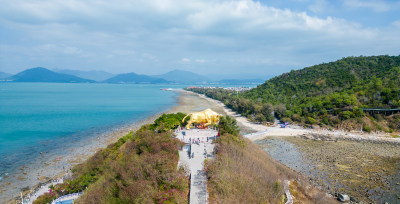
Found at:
[343, 197]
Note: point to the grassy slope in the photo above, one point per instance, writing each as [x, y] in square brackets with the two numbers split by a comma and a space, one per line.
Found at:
[243, 173]
[139, 168]
[145, 171]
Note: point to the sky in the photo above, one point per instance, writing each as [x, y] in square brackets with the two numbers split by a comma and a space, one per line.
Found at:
[211, 37]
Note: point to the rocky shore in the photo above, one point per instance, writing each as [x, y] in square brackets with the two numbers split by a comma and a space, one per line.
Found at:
[365, 166]
[365, 170]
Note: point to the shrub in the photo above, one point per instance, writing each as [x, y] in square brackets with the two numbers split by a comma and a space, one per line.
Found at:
[296, 117]
[260, 118]
[168, 122]
[311, 120]
[346, 115]
[286, 120]
[228, 125]
[45, 198]
[366, 129]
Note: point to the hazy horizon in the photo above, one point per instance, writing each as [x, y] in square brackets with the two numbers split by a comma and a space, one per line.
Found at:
[238, 76]
[206, 37]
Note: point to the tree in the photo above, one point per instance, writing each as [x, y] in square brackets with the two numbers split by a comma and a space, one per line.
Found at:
[280, 110]
[228, 125]
[267, 112]
[311, 121]
[346, 115]
[260, 118]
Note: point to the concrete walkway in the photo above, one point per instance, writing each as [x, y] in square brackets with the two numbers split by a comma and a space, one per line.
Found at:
[286, 185]
[41, 191]
[200, 151]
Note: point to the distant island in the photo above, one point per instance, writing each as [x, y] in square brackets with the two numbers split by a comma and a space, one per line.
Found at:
[183, 77]
[92, 75]
[133, 78]
[4, 75]
[40, 74]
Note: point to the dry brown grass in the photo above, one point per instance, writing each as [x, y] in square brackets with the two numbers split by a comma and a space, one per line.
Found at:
[378, 123]
[142, 170]
[304, 193]
[243, 173]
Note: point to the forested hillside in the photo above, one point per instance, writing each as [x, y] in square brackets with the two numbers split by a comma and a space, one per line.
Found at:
[334, 94]
[374, 81]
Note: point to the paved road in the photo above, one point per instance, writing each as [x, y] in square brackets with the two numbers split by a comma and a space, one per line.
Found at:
[202, 150]
[198, 180]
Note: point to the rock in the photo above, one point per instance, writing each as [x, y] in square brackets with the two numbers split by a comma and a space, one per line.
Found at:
[343, 197]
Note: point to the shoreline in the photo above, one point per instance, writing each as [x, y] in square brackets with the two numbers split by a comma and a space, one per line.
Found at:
[52, 164]
[186, 102]
[56, 165]
[294, 130]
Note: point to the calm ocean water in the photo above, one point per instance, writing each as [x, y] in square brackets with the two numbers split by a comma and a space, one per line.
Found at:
[41, 117]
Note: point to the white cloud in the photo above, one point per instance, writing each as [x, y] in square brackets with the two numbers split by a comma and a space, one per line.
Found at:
[185, 60]
[375, 5]
[157, 33]
[318, 6]
[200, 60]
[149, 56]
[396, 23]
[72, 50]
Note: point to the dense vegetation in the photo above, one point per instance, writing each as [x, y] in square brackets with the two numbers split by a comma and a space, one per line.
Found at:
[332, 94]
[244, 173]
[140, 168]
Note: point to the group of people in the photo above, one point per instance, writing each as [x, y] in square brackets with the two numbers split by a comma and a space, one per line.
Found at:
[71, 196]
[196, 141]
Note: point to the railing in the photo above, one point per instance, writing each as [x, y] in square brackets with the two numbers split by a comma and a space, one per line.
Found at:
[69, 197]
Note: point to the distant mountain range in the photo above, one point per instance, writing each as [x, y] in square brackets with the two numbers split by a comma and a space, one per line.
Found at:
[186, 77]
[4, 75]
[133, 78]
[183, 77]
[41, 74]
[93, 75]
[241, 81]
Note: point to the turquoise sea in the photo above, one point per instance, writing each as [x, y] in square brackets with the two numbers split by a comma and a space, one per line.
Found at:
[43, 117]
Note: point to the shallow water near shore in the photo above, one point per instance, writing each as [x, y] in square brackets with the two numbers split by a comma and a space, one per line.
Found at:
[368, 172]
[42, 121]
